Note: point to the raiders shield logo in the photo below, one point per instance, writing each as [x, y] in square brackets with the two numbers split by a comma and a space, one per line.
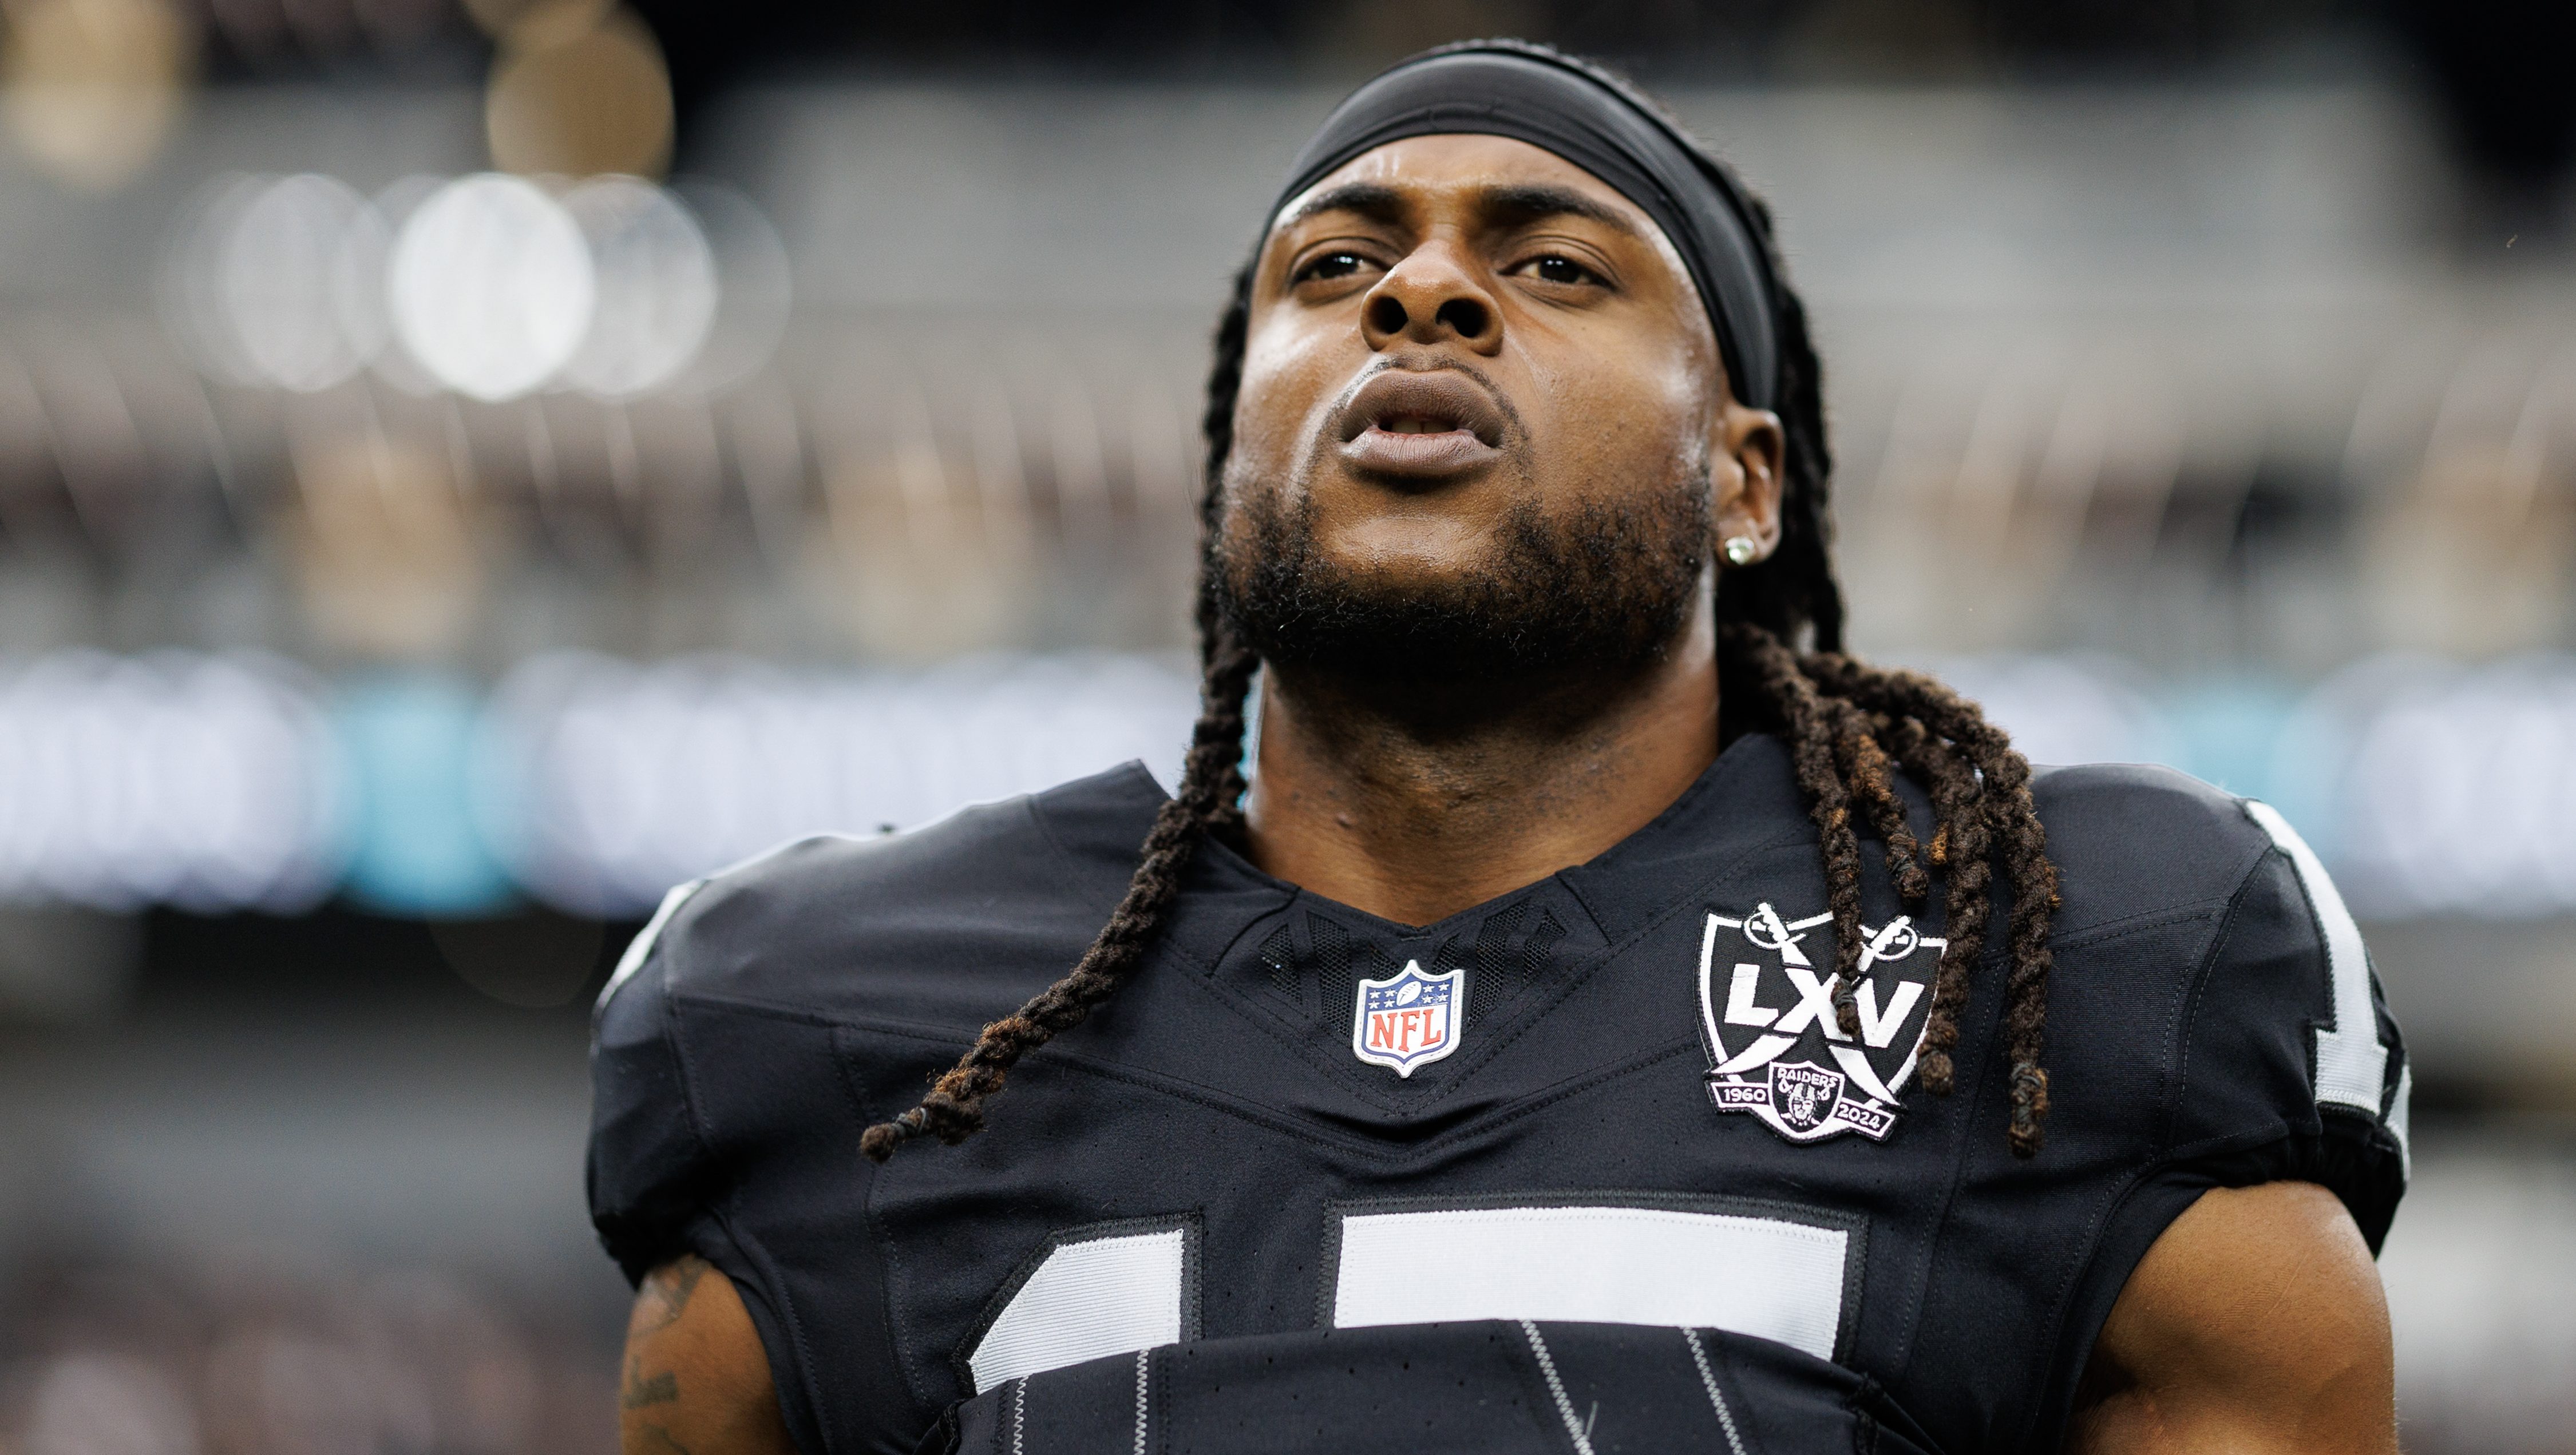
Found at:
[1773, 995]
[1408, 1020]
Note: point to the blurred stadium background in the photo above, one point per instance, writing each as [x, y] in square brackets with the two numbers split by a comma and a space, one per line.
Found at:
[463, 469]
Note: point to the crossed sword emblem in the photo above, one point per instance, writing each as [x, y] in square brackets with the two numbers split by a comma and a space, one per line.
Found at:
[1892, 941]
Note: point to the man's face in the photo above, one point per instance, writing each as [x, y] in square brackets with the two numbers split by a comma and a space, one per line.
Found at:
[1482, 427]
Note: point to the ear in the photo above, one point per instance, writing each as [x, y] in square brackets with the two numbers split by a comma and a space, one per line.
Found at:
[1744, 481]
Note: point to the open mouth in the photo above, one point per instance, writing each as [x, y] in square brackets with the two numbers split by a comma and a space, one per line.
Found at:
[1421, 423]
[1415, 424]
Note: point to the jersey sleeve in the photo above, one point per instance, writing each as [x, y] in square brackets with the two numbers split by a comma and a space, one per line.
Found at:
[650, 1172]
[2213, 1023]
[670, 1143]
[2291, 1067]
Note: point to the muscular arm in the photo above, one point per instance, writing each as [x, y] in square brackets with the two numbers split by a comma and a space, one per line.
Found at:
[2255, 1326]
[697, 1380]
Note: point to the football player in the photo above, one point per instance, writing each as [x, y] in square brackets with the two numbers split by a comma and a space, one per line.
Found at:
[1610, 1018]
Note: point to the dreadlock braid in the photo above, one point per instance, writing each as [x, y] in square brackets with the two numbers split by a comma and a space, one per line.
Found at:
[1209, 801]
[1846, 726]
[1865, 760]
[2003, 800]
[1810, 729]
[954, 1109]
[1864, 763]
[1959, 849]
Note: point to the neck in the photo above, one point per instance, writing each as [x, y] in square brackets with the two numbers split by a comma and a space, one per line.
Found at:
[1416, 803]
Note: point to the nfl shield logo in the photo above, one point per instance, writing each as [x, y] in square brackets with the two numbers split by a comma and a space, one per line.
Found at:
[1408, 1020]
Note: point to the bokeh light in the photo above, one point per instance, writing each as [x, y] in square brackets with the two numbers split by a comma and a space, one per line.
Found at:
[395, 203]
[300, 279]
[579, 91]
[92, 88]
[175, 779]
[2066, 708]
[595, 783]
[2457, 787]
[491, 286]
[383, 546]
[609, 782]
[755, 287]
[656, 287]
[190, 279]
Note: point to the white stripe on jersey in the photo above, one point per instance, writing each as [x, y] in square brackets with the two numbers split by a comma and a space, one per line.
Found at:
[2352, 1066]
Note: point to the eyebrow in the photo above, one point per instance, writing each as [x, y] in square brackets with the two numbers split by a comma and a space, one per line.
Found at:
[1515, 202]
[1372, 200]
[1531, 201]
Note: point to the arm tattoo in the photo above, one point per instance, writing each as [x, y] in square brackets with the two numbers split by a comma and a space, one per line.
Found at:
[658, 1305]
[666, 1293]
[640, 1391]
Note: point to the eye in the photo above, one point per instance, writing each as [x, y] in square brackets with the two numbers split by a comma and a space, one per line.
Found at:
[1330, 266]
[1558, 268]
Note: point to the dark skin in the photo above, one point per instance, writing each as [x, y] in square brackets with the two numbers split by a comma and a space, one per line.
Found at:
[1416, 803]
[696, 1379]
[1559, 356]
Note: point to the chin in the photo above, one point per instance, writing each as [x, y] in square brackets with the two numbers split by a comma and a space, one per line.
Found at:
[1397, 557]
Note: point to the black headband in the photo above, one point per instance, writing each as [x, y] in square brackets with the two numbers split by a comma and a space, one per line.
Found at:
[1501, 88]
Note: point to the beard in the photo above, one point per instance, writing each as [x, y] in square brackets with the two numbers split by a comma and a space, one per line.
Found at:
[1600, 591]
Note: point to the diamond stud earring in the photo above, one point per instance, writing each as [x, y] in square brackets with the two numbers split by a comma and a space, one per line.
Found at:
[1742, 550]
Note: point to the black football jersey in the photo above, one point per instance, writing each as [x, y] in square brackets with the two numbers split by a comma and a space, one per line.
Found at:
[1591, 1167]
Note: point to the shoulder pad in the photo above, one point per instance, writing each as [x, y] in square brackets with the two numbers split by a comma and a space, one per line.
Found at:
[2132, 839]
[892, 924]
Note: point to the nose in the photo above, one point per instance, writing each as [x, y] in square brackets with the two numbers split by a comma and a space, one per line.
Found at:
[1429, 297]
